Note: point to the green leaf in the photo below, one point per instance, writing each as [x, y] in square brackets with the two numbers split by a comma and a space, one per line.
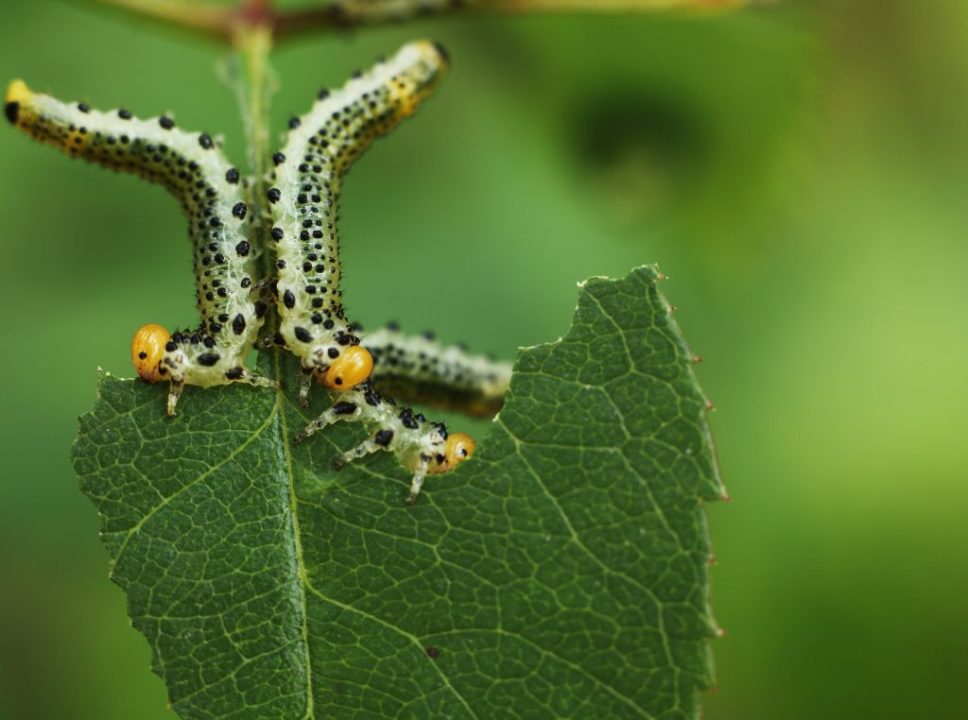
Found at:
[560, 573]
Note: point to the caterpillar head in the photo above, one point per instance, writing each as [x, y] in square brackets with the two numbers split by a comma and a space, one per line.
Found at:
[148, 350]
[352, 367]
[457, 449]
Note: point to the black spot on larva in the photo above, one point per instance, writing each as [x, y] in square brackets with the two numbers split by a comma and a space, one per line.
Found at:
[428, 334]
[166, 122]
[235, 373]
[260, 309]
[318, 302]
[246, 282]
[303, 334]
[333, 353]
[142, 355]
[288, 299]
[393, 326]
[205, 140]
[242, 248]
[208, 342]
[84, 107]
[232, 176]
[171, 346]
[277, 234]
[278, 158]
[12, 111]
[208, 359]
[408, 420]
[294, 123]
[124, 114]
[273, 194]
[238, 325]
[344, 408]
[383, 437]
[323, 94]
[239, 210]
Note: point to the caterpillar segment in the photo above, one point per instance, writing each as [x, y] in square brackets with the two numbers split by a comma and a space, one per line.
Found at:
[421, 446]
[419, 369]
[304, 199]
[193, 169]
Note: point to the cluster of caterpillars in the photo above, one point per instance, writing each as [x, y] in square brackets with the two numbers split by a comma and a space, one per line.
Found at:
[302, 199]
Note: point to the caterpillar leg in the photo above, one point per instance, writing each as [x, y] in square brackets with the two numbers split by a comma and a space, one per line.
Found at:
[305, 383]
[419, 475]
[251, 378]
[338, 412]
[174, 392]
[367, 447]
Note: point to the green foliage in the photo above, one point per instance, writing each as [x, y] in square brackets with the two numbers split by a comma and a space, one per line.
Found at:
[561, 573]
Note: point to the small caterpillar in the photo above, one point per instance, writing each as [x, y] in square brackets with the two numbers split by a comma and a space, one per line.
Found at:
[422, 447]
[194, 170]
[320, 149]
[417, 368]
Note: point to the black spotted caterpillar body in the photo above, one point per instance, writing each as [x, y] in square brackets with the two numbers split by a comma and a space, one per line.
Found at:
[208, 188]
[304, 200]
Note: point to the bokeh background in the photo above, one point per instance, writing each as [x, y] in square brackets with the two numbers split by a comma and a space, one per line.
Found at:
[800, 172]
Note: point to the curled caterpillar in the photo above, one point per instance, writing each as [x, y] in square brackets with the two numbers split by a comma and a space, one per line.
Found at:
[418, 369]
[303, 199]
[192, 168]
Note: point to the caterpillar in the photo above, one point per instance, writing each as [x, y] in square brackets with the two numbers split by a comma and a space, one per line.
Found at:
[417, 368]
[193, 169]
[304, 208]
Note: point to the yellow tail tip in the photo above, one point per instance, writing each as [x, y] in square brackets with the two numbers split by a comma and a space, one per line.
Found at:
[17, 91]
[17, 94]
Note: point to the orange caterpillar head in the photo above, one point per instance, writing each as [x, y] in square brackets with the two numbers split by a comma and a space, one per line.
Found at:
[458, 448]
[352, 367]
[147, 350]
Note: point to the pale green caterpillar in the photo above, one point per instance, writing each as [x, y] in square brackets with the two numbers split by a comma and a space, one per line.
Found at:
[194, 170]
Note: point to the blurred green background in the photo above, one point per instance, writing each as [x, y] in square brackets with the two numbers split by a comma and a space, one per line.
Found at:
[799, 171]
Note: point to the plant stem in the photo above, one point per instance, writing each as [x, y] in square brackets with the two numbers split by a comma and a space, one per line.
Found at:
[208, 20]
[254, 88]
[222, 23]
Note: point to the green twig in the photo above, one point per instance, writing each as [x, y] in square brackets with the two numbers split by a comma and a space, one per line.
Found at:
[222, 23]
